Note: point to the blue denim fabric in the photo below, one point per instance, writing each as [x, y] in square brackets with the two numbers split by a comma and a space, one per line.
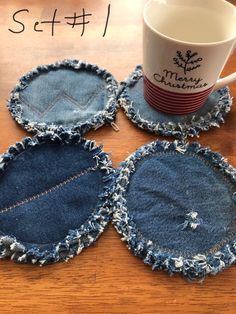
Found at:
[146, 117]
[175, 206]
[64, 97]
[50, 188]
[165, 189]
[48, 218]
[69, 94]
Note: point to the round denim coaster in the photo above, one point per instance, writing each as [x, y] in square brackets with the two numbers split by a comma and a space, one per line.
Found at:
[146, 117]
[175, 206]
[67, 95]
[54, 197]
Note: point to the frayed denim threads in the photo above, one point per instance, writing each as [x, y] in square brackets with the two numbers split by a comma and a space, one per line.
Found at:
[183, 229]
[69, 95]
[172, 202]
[131, 99]
[56, 201]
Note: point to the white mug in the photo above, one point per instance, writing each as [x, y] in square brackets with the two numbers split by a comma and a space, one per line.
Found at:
[186, 44]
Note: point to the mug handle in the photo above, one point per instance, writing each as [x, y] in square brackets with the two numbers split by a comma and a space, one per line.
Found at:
[225, 81]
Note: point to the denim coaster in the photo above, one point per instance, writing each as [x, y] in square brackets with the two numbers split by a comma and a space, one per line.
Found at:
[146, 117]
[175, 206]
[54, 197]
[69, 95]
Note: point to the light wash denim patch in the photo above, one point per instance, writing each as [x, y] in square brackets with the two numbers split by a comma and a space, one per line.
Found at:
[54, 197]
[175, 206]
[69, 95]
[212, 113]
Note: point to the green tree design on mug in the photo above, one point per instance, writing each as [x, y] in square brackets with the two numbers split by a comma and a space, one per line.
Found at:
[187, 62]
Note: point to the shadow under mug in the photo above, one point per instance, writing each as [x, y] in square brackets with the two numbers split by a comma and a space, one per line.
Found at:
[185, 47]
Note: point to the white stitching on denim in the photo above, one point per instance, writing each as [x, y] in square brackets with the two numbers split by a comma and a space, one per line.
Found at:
[52, 189]
[83, 236]
[193, 267]
[61, 95]
[107, 115]
[215, 247]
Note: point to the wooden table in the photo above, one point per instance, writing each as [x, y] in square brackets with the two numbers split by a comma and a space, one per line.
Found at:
[105, 278]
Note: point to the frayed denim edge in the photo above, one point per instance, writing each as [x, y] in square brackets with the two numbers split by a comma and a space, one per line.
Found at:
[98, 120]
[77, 239]
[194, 268]
[179, 130]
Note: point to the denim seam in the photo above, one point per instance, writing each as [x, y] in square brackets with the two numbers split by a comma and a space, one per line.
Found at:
[106, 116]
[179, 130]
[195, 267]
[52, 189]
[185, 254]
[59, 96]
[78, 239]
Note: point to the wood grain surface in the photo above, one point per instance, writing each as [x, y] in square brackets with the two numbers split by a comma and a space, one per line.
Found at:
[105, 278]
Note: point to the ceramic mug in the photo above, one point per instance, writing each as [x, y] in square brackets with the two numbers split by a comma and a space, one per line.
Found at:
[185, 47]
